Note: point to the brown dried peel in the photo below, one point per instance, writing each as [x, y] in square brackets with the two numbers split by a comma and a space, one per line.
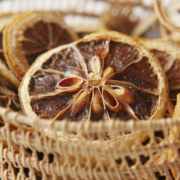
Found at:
[168, 54]
[30, 34]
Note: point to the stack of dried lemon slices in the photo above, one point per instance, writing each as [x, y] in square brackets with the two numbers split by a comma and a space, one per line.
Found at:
[23, 37]
[87, 102]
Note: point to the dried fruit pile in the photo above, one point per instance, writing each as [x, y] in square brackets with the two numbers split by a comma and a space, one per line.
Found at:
[23, 37]
[104, 76]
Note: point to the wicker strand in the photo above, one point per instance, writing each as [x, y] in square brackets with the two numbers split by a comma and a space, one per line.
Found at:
[89, 127]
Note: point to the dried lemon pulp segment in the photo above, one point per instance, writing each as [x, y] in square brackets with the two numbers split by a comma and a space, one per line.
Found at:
[31, 34]
[104, 76]
[168, 54]
[6, 75]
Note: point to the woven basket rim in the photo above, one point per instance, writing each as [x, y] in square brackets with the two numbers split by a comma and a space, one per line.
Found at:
[16, 118]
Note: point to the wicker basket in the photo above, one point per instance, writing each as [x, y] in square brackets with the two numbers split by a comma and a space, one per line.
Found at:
[41, 149]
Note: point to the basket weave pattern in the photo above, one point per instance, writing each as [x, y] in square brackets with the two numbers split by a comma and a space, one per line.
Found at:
[80, 157]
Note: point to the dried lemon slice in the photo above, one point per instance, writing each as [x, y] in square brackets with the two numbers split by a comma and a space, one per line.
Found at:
[31, 34]
[4, 20]
[125, 16]
[118, 16]
[169, 18]
[168, 53]
[105, 76]
[6, 75]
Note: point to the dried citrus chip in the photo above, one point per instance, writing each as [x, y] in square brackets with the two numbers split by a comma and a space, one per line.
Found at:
[6, 75]
[168, 53]
[125, 16]
[104, 76]
[116, 18]
[31, 34]
[169, 18]
[4, 20]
